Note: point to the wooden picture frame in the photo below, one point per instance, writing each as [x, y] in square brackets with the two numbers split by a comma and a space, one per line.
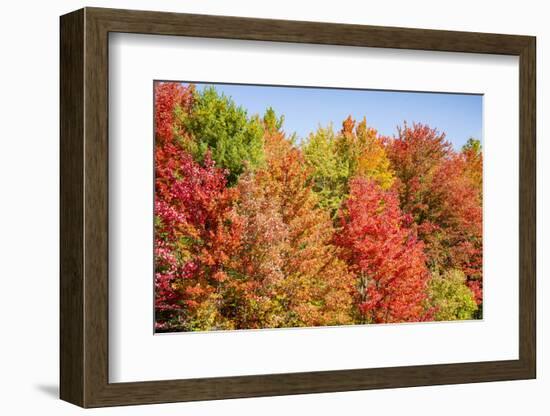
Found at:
[84, 207]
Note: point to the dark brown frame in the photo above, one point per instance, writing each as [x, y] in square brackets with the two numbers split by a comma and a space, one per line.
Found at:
[84, 209]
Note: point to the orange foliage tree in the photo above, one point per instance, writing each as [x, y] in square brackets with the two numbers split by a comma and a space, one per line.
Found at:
[290, 273]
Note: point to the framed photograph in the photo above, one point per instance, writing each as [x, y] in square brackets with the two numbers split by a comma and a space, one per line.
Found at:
[255, 207]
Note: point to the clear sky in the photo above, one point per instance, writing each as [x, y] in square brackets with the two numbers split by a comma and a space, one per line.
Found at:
[304, 109]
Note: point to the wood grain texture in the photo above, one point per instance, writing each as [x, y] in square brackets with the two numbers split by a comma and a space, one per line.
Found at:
[527, 207]
[96, 208]
[71, 185]
[84, 207]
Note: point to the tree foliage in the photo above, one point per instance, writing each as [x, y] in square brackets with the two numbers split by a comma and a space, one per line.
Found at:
[473, 156]
[355, 151]
[288, 261]
[385, 255]
[450, 298]
[363, 151]
[224, 129]
[272, 123]
[440, 188]
[254, 229]
[329, 171]
[195, 227]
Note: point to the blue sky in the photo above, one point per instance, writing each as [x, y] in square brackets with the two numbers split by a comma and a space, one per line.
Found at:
[304, 109]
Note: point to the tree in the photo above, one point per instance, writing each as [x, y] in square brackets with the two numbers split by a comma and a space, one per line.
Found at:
[196, 230]
[450, 298]
[415, 155]
[272, 123]
[364, 152]
[384, 254]
[290, 273]
[170, 96]
[196, 233]
[439, 189]
[255, 230]
[329, 171]
[220, 127]
[474, 163]
[335, 159]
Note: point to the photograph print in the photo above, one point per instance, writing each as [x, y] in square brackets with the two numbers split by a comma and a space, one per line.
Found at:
[289, 206]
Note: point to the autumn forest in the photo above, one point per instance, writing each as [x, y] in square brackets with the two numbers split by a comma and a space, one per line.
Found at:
[256, 227]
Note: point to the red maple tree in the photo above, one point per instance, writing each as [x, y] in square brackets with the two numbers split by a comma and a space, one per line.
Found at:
[385, 255]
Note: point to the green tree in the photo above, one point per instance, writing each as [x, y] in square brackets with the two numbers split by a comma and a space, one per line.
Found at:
[450, 297]
[271, 122]
[329, 171]
[356, 151]
[216, 124]
[472, 144]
